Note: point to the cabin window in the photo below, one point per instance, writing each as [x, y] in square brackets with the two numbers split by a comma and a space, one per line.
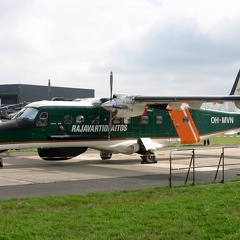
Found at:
[80, 119]
[68, 119]
[116, 120]
[95, 119]
[42, 120]
[127, 120]
[185, 119]
[159, 119]
[145, 120]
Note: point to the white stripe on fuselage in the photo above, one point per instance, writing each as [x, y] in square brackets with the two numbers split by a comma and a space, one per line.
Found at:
[114, 146]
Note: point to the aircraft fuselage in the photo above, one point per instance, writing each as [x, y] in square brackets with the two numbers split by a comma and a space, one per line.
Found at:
[68, 125]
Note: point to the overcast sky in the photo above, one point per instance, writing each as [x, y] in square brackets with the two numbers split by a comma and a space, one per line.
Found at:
[153, 47]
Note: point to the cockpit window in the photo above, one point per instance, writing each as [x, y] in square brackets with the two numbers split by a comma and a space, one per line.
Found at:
[42, 120]
[27, 113]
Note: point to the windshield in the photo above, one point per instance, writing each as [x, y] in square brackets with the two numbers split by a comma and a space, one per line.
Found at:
[29, 113]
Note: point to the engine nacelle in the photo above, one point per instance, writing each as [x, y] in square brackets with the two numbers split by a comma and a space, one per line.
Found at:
[57, 154]
[132, 111]
[123, 106]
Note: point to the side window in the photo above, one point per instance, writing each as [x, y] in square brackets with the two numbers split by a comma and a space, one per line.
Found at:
[42, 120]
[80, 119]
[185, 119]
[159, 119]
[116, 120]
[145, 120]
[127, 120]
[95, 119]
[68, 119]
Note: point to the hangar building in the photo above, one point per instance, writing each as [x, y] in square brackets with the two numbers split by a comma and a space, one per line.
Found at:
[17, 93]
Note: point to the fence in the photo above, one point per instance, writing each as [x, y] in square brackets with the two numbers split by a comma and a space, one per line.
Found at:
[192, 164]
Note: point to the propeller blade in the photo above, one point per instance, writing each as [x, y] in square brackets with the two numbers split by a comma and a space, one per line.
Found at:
[110, 113]
[111, 84]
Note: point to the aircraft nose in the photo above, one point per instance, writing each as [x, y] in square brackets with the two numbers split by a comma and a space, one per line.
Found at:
[9, 125]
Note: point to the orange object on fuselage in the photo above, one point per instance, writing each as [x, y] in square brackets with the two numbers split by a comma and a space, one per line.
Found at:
[184, 125]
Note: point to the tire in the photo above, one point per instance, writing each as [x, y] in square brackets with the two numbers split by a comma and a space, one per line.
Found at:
[105, 155]
[149, 157]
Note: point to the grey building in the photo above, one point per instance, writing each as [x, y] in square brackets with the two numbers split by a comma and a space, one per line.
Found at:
[17, 93]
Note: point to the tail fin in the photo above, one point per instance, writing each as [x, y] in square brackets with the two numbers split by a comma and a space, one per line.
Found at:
[226, 106]
[236, 86]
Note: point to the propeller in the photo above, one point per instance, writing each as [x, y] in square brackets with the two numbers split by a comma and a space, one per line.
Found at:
[120, 105]
[110, 112]
[111, 85]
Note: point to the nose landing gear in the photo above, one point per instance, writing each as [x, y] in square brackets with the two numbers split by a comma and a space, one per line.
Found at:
[105, 155]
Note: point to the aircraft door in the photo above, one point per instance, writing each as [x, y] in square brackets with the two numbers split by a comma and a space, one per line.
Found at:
[162, 124]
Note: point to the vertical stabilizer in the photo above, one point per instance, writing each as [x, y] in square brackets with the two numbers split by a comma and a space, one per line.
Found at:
[226, 106]
[236, 86]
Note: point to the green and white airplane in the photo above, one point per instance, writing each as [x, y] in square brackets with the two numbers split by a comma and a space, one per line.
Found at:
[125, 124]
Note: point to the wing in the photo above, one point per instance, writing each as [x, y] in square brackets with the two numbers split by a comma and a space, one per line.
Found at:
[192, 101]
[185, 99]
[129, 106]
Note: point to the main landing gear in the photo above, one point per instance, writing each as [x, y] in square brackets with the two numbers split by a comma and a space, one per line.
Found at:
[1, 162]
[148, 157]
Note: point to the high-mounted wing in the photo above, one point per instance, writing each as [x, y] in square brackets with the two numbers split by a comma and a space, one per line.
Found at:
[192, 101]
[130, 106]
[185, 99]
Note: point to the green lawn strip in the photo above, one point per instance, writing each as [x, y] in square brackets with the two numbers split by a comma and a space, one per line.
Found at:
[223, 140]
[208, 211]
[226, 139]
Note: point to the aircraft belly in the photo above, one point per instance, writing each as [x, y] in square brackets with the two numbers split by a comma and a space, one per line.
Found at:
[114, 146]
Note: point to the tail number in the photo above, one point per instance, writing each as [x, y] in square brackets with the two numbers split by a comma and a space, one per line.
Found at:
[224, 120]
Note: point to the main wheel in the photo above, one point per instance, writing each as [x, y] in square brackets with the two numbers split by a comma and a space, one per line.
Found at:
[148, 157]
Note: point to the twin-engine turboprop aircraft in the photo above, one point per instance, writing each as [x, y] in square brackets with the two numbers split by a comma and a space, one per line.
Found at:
[125, 124]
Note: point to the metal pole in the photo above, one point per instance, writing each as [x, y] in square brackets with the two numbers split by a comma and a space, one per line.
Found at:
[49, 90]
[221, 156]
[189, 169]
[170, 174]
[193, 166]
[222, 165]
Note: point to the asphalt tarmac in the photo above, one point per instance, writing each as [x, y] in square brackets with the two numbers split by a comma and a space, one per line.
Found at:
[27, 175]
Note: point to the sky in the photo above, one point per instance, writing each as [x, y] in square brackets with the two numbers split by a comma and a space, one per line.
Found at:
[153, 47]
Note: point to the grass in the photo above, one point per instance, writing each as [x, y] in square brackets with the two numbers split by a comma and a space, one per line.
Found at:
[209, 211]
[216, 141]
[226, 140]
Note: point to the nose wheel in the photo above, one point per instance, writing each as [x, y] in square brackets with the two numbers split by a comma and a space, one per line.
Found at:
[105, 155]
[1, 163]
